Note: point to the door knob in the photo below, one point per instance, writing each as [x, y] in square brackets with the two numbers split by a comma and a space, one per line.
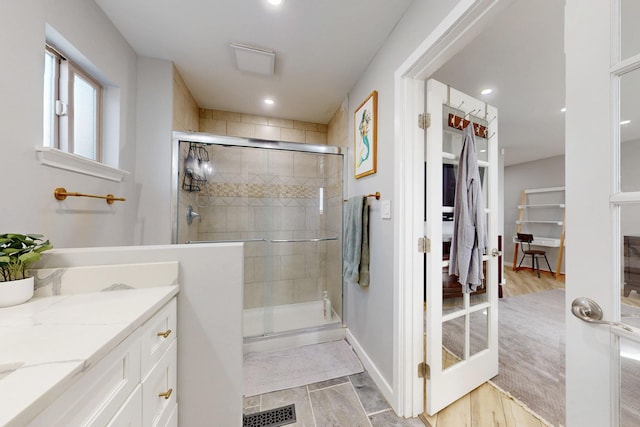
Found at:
[495, 252]
[588, 310]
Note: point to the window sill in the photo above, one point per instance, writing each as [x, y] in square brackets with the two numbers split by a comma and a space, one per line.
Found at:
[74, 163]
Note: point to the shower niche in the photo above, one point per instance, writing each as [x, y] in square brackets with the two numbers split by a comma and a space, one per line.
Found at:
[284, 202]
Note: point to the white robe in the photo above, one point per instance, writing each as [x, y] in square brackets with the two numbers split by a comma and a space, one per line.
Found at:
[469, 239]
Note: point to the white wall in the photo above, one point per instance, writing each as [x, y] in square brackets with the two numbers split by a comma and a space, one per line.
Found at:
[153, 151]
[27, 191]
[542, 173]
[369, 311]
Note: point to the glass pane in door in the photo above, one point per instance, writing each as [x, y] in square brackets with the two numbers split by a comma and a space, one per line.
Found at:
[629, 382]
[630, 280]
[479, 330]
[630, 131]
[453, 341]
[630, 38]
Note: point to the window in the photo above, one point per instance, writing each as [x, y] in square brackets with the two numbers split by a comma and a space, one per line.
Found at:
[72, 107]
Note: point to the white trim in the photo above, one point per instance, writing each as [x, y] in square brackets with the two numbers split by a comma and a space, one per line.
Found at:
[460, 26]
[544, 190]
[372, 370]
[71, 162]
[626, 197]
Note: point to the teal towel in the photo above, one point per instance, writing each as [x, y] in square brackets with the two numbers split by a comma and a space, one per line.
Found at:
[356, 241]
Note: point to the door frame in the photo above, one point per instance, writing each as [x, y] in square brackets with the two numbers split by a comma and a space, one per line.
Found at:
[465, 21]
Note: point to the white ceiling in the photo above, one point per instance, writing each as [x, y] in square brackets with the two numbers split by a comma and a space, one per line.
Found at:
[521, 57]
[323, 47]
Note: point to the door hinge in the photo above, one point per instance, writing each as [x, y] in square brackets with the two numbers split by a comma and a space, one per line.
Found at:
[424, 120]
[424, 371]
[424, 245]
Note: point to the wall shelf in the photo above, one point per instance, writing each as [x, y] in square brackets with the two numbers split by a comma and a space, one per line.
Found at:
[552, 207]
[539, 222]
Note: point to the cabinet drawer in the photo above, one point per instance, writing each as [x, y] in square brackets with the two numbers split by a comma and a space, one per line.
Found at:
[158, 333]
[157, 409]
[96, 397]
[173, 419]
[131, 412]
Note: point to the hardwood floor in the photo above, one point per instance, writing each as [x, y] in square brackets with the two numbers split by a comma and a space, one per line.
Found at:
[487, 405]
[483, 407]
[526, 281]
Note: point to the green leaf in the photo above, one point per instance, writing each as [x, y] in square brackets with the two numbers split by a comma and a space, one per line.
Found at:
[28, 258]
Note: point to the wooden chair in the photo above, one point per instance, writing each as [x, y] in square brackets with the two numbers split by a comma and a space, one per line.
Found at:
[535, 254]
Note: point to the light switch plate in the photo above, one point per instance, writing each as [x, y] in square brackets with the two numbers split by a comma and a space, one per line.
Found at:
[385, 209]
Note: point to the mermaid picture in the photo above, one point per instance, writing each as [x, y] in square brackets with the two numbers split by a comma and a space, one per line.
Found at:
[364, 134]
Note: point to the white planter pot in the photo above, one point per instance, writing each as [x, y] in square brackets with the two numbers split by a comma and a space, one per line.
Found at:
[16, 292]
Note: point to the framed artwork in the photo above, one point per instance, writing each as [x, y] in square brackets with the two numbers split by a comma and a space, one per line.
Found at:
[365, 136]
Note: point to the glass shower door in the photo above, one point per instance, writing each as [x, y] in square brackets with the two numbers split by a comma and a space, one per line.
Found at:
[286, 207]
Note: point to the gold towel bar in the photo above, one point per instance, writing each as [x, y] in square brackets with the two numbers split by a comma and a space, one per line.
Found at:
[376, 195]
[61, 193]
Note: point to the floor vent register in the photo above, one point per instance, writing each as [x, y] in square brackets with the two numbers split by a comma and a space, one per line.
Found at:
[271, 418]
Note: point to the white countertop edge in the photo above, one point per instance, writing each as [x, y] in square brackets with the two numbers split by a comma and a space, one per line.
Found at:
[20, 416]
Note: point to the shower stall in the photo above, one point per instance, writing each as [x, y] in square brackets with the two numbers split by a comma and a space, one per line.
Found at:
[284, 202]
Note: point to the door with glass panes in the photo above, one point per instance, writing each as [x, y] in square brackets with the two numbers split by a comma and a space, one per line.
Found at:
[461, 328]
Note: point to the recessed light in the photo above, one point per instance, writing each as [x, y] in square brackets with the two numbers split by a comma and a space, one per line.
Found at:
[269, 101]
[563, 109]
[275, 2]
[625, 122]
[486, 91]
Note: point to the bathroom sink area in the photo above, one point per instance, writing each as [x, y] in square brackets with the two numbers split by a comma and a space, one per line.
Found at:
[7, 369]
[49, 341]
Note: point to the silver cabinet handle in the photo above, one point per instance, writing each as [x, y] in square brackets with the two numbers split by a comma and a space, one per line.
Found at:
[588, 310]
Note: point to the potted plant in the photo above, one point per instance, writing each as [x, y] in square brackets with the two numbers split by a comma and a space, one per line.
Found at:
[17, 252]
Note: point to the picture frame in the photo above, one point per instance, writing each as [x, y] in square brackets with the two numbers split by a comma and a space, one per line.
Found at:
[365, 136]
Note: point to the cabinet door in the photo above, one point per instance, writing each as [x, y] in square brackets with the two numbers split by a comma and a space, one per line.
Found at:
[130, 414]
[99, 393]
[159, 390]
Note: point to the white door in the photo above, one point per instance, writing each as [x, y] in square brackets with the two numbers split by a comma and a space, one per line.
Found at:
[461, 329]
[602, 48]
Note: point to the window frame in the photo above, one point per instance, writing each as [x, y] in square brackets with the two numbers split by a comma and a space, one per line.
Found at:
[63, 115]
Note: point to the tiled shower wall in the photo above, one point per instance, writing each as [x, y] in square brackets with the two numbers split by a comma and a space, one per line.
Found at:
[250, 126]
[185, 118]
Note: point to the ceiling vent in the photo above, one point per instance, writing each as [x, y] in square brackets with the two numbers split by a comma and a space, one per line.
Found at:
[253, 60]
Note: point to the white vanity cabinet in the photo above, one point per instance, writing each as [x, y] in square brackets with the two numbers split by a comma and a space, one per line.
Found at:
[133, 385]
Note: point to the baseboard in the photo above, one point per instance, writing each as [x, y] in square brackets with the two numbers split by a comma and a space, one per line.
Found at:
[374, 373]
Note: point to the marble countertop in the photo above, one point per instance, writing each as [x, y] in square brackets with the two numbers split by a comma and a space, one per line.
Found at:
[46, 342]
